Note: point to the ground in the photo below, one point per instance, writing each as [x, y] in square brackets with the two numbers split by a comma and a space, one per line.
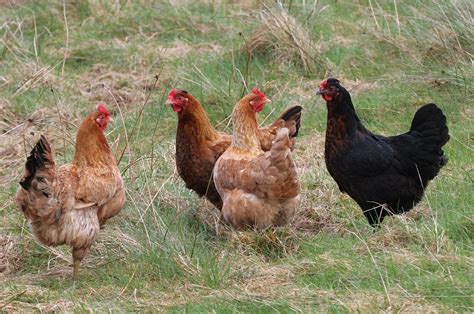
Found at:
[167, 250]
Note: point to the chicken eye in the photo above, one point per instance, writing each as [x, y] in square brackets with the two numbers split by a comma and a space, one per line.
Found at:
[333, 89]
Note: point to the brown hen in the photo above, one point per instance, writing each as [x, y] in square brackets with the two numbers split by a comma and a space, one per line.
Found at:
[67, 204]
[259, 189]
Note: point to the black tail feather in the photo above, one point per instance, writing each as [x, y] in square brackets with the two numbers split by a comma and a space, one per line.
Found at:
[293, 113]
[429, 124]
[430, 120]
[37, 159]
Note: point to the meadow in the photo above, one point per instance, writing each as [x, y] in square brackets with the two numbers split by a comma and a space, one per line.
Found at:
[167, 250]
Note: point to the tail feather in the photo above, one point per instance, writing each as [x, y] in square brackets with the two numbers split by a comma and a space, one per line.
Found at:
[293, 114]
[281, 149]
[39, 164]
[430, 120]
[429, 125]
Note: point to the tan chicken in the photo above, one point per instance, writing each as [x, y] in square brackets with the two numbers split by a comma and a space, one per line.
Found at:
[67, 204]
[259, 189]
[199, 144]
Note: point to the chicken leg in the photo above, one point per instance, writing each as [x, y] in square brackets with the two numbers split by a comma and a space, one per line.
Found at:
[77, 256]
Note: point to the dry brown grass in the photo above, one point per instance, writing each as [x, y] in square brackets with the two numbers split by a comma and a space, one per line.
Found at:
[11, 301]
[9, 255]
[33, 74]
[181, 49]
[448, 40]
[400, 302]
[101, 84]
[11, 3]
[280, 36]
[318, 194]
[17, 136]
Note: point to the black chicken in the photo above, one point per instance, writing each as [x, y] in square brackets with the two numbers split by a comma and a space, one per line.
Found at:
[384, 175]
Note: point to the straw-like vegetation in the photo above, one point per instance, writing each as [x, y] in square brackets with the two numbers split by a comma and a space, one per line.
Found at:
[280, 37]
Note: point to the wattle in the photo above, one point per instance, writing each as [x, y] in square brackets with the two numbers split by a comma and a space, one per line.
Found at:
[177, 108]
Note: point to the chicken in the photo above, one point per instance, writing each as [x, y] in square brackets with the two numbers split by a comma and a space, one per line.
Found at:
[68, 204]
[259, 189]
[384, 175]
[199, 145]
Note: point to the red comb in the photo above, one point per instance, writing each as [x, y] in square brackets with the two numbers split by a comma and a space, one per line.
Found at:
[257, 92]
[172, 93]
[323, 84]
[101, 108]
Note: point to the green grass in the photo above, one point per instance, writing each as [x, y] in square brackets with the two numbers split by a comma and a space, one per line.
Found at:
[163, 251]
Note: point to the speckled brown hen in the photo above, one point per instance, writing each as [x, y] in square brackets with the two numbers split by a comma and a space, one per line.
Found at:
[199, 145]
[67, 204]
[259, 189]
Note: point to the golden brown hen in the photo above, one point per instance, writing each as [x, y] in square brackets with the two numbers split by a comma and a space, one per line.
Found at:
[69, 203]
[199, 145]
[259, 189]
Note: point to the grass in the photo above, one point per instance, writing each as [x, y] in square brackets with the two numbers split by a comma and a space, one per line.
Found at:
[165, 250]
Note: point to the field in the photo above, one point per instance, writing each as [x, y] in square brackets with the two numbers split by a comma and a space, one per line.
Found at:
[166, 250]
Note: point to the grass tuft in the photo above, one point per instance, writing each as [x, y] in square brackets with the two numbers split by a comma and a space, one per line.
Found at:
[280, 37]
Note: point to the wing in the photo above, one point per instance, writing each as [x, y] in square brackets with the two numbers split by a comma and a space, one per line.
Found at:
[97, 185]
[420, 154]
[373, 172]
[36, 204]
[403, 154]
[113, 206]
[274, 172]
[368, 156]
[267, 135]
[271, 175]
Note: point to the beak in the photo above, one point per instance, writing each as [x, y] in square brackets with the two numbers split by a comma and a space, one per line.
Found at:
[168, 102]
[266, 101]
[321, 91]
[111, 119]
